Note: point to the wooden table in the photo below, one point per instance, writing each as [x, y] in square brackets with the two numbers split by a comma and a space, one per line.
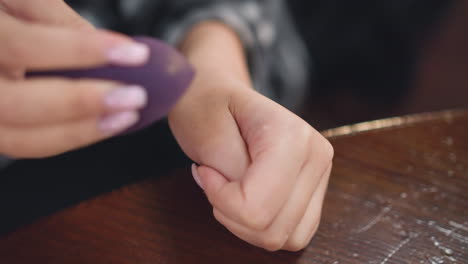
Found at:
[398, 194]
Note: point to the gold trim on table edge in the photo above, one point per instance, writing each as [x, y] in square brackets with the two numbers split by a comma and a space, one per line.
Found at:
[392, 122]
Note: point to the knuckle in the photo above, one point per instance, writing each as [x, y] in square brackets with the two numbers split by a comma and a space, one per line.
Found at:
[328, 151]
[85, 48]
[16, 51]
[305, 130]
[303, 135]
[314, 231]
[301, 129]
[319, 147]
[301, 240]
[217, 215]
[85, 98]
[258, 218]
[324, 149]
[298, 244]
[274, 242]
[80, 49]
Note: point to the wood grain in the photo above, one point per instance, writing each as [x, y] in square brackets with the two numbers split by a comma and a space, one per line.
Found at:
[397, 195]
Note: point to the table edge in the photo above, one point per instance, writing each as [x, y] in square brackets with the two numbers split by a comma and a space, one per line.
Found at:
[392, 122]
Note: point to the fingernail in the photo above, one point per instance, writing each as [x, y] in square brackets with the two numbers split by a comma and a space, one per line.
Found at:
[195, 175]
[118, 122]
[126, 98]
[129, 53]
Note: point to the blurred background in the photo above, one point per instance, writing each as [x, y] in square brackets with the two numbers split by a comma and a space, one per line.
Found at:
[376, 59]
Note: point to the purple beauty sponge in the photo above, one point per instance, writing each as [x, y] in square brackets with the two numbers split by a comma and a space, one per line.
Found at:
[166, 76]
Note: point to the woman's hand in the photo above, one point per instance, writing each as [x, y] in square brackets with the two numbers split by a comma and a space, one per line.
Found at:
[264, 170]
[47, 116]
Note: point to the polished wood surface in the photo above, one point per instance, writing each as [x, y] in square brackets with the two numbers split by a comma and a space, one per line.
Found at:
[398, 194]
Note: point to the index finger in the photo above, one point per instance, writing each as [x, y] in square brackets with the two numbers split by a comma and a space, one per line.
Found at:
[51, 12]
[42, 47]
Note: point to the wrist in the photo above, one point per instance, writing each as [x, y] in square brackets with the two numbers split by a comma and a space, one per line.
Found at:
[216, 50]
[221, 69]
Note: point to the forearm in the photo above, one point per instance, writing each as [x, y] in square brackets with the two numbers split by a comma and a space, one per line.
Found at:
[221, 73]
[215, 49]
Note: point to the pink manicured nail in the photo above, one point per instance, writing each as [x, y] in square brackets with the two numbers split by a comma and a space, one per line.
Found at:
[126, 98]
[118, 122]
[195, 175]
[129, 53]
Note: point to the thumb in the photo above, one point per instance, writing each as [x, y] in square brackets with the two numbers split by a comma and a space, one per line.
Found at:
[210, 137]
[53, 12]
[210, 180]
